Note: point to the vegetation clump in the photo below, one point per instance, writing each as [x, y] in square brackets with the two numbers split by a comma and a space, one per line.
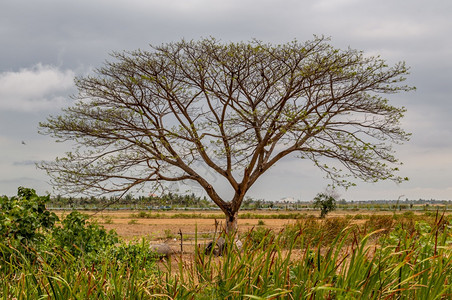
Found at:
[325, 202]
[24, 219]
[40, 258]
[390, 257]
[80, 237]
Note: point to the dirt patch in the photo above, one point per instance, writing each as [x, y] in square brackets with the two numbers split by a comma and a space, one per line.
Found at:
[129, 225]
[157, 229]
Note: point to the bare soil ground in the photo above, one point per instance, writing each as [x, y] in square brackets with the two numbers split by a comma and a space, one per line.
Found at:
[129, 226]
[162, 228]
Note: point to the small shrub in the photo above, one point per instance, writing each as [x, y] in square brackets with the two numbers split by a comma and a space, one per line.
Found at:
[430, 213]
[206, 235]
[78, 237]
[142, 215]
[332, 227]
[139, 255]
[24, 219]
[408, 214]
[169, 234]
[260, 223]
[133, 222]
[108, 220]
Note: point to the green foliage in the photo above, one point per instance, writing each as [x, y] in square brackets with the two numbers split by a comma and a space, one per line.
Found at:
[24, 219]
[136, 254]
[77, 236]
[169, 234]
[348, 268]
[77, 260]
[314, 231]
[295, 263]
[126, 273]
[325, 202]
[408, 257]
[108, 219]
[260, 237]
[142, 214]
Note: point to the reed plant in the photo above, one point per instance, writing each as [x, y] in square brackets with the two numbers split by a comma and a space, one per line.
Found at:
[354, 265]
[307, 260]
[125, 273]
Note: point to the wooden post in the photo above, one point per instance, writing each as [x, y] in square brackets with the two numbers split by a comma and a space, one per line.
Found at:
[181, 242]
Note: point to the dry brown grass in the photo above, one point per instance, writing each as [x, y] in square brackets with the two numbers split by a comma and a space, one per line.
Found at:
[159, 229]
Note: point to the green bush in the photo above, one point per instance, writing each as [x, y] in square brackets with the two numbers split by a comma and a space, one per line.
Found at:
[142, 215]
[396, 265]
[139, 255]
[169, 234]
[332, 227]
[24, 219]
[78, 236]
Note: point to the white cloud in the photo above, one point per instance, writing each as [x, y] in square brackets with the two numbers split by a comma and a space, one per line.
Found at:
[39, 88]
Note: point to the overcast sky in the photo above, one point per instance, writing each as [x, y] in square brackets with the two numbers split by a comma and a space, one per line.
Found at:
[45, 43]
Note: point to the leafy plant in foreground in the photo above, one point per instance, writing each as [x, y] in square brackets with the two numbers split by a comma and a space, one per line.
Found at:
[24, 219]
[77, 236]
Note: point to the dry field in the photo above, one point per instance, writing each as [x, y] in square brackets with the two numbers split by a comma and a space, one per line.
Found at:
[129, 226]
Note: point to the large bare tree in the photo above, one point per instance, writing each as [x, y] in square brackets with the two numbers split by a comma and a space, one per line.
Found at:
[237, 109]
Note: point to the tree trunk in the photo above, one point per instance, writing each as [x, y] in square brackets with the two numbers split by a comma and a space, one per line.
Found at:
[231, 222]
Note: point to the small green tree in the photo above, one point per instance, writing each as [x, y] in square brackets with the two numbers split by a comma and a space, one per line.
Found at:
[325, 202]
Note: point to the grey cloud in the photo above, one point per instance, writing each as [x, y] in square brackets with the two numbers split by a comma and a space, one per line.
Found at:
[34, 89]
[25, 163]
[9, 186]
[73, 36]
[83, 32]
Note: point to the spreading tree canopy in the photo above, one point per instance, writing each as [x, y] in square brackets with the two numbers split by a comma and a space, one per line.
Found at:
[148, 117]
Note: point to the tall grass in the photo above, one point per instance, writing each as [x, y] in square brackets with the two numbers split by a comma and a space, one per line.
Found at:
[307, 260]
[56, 274]
[394, 265]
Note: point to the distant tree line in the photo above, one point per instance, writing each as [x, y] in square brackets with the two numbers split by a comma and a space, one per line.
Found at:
[171, 200]
[168, 200]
